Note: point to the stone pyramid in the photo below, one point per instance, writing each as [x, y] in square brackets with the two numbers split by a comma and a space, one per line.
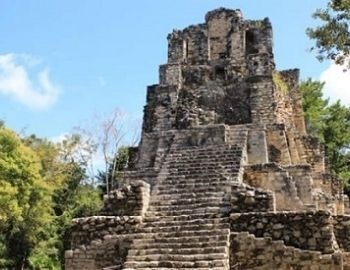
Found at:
[225, 176]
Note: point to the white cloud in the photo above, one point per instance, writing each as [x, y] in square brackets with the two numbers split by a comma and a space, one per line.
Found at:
[337, 83]
[16, 81]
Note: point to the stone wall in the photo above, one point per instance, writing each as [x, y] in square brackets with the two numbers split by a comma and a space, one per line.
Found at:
[261, 93]
[258, 37]
[159, 111]
[260, 64]
[342, 231]
[103, 241]
[302, 176]
[170, 74]
[291, 78]
[289, 100]
[100, 254]
[129, 200]
[278, 145]
[86, 230]
[189, 45]
[313, 154]
[257, 146]
[304, 230]
[249, 252]
[248, 199]
[271, 176]
[295, 145]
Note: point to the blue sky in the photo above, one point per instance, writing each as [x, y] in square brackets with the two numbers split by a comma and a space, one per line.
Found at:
[61, 61]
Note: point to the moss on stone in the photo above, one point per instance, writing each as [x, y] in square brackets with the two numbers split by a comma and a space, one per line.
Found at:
[279, 82]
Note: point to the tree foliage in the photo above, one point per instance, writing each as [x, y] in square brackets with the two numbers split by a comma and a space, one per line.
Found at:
[65, 165]
[43, 186]
[25, 201]
[337, 138]
[331, 124]
[314, 106]
[333, 36]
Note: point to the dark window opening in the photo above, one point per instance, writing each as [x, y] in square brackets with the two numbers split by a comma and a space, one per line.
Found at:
[250, 41]
[222, 55]
[220, 73]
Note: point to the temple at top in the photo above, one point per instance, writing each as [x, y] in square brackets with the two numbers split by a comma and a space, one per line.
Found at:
[223, 72]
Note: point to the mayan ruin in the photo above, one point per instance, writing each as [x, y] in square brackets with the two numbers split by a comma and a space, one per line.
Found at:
[225, 176]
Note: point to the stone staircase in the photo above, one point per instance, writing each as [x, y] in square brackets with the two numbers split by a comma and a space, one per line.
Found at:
[187, 224]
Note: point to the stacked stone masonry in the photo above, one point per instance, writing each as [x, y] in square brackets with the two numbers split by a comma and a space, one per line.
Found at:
[131, 199]
[225, 176]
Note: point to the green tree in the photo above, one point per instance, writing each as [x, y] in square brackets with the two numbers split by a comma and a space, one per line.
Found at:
[331, 124]
[315, 107]
[337, 139]
[332, 37]
[43, 186]
[64, 168]
[25, 201]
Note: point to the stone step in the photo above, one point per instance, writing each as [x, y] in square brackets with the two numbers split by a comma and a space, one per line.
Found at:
[179, 201]
[187, 195]
[178, 257]
[184, 222]
[182, 233]
[206, 148]
[195, 174]
[189, 217]
[209, 264]
[204, 158]
[218, 174]
[184, 237]
[194, 161]
[198, 176]
[204, 152]
[197, 190]
[177, 268]
[183, 228]
[191, 202]
[203, 170]
[202, 210]
[182, 246]
[190, 184]
[190, 206]
[183, 181]
[217, 149]
[203, 162]
[114, 267]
